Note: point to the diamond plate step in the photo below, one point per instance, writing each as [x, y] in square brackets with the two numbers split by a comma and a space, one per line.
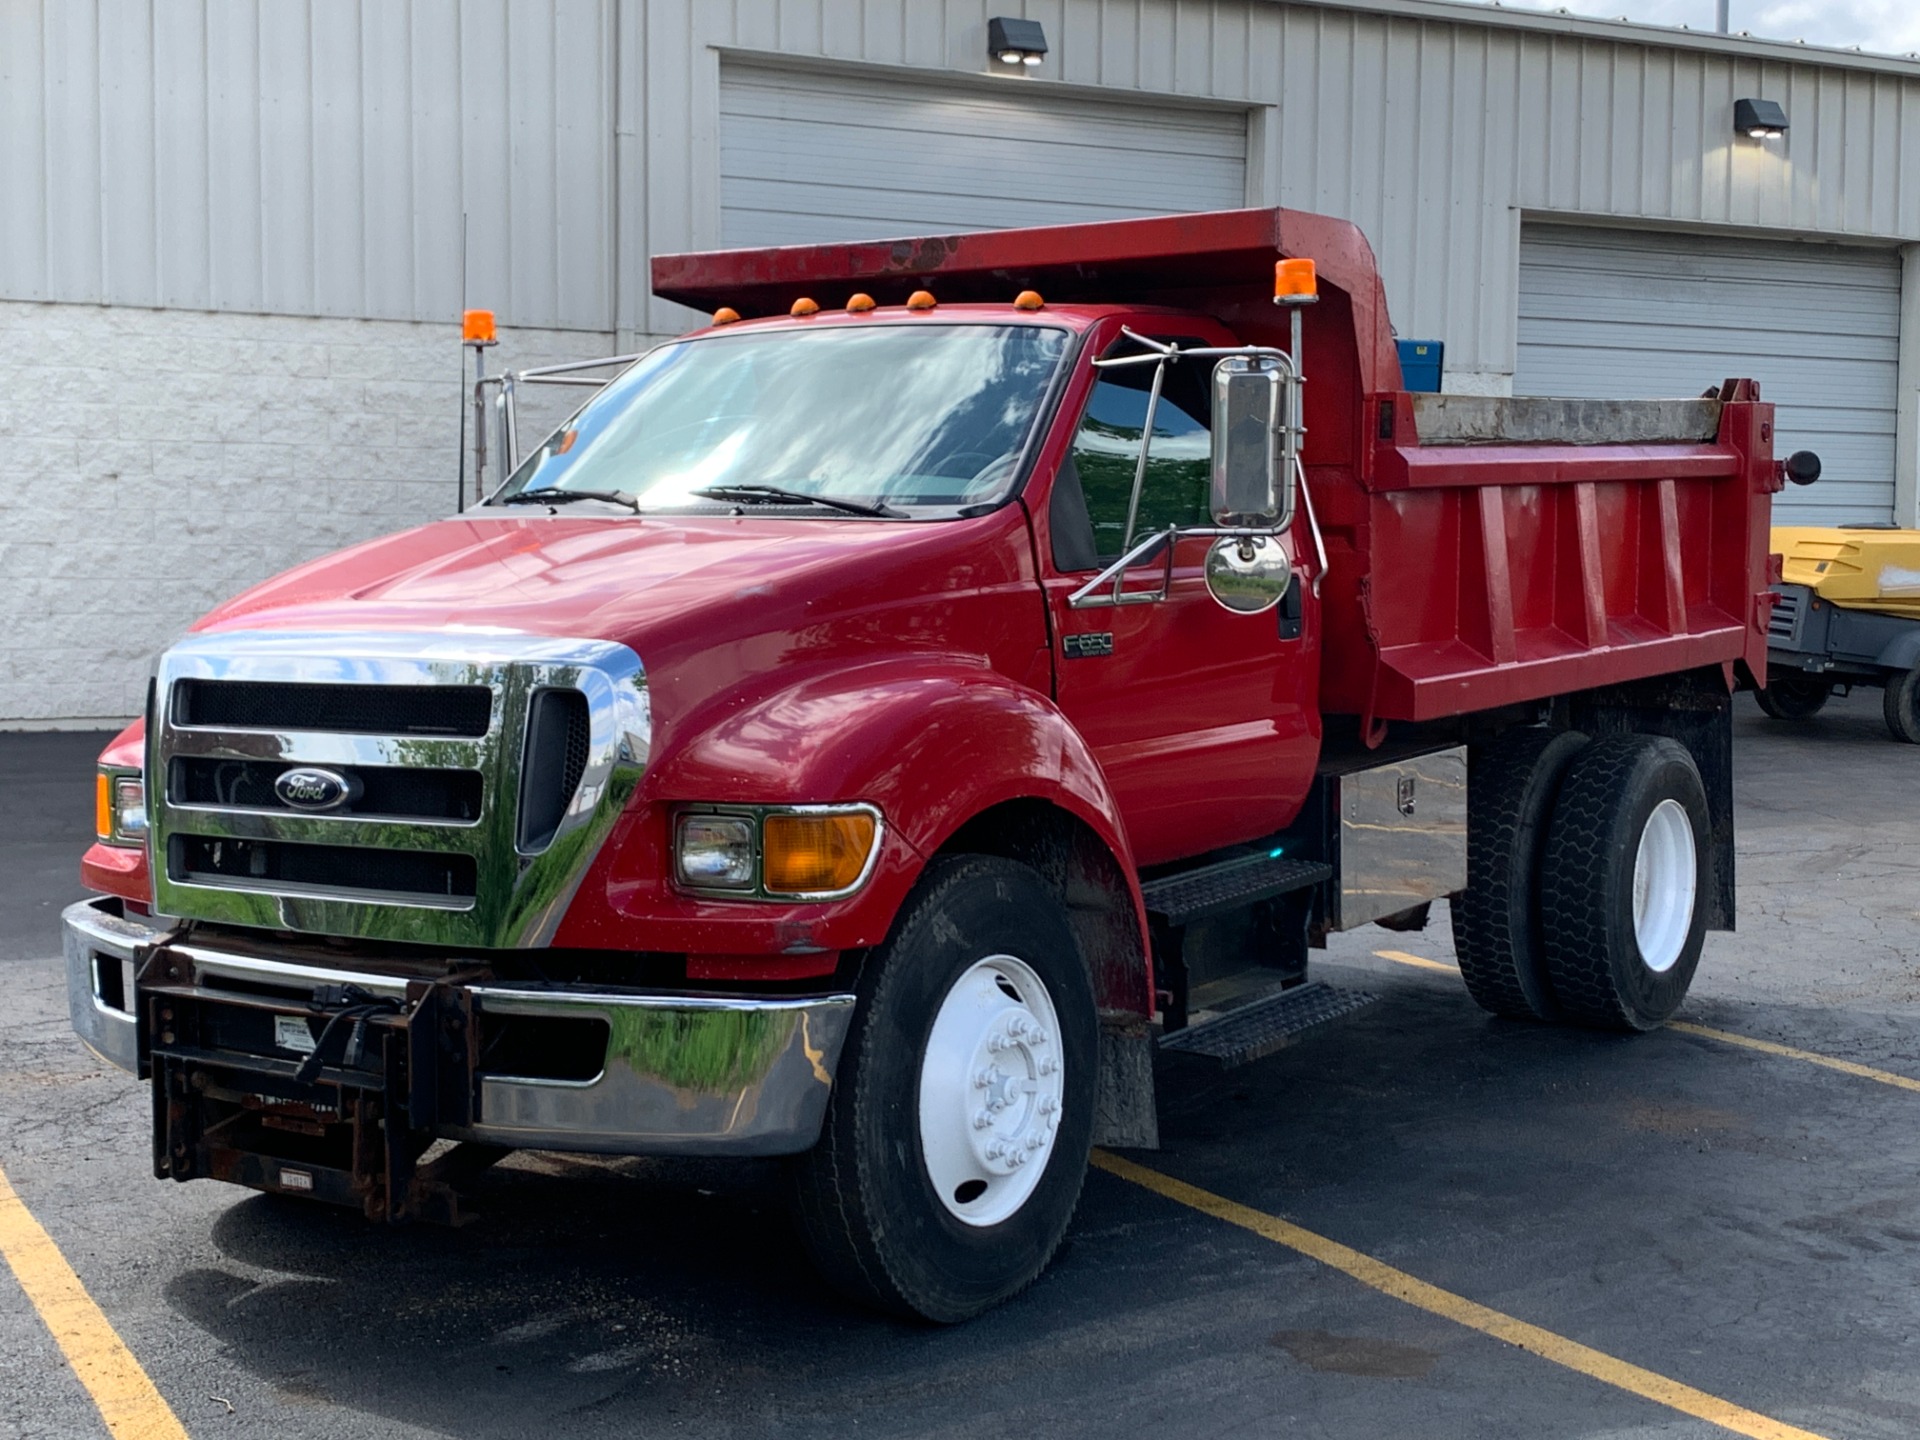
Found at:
[1215, 889]
[1257, 1030]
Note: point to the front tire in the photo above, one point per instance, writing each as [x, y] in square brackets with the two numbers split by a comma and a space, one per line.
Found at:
[956, 1138]
[1621, 881]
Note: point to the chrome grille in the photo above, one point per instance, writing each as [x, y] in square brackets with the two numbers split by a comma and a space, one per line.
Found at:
[442, 747]
[351, 709]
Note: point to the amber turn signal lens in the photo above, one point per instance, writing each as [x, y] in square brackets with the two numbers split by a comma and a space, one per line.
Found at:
[921, 300]
[476, 327]
[725, 315]
[806, 854]
[102, 805]
[804, 306]
[859, 304]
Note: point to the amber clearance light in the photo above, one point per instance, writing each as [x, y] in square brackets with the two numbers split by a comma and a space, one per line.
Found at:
[806, 854]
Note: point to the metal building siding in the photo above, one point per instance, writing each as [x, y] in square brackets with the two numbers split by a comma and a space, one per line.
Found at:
[309, 157]
[1623, 314]
[1435, 136]
[314, 156]
[806, 158]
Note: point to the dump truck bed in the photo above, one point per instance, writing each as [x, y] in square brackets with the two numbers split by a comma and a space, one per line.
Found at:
[1482, 552]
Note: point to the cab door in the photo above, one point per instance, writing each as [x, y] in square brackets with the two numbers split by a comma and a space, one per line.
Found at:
[1204, 721]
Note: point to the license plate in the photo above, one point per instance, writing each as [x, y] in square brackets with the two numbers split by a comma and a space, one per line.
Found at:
[290, 1032]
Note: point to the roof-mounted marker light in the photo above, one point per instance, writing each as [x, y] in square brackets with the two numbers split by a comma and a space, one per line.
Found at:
[1028, 300]
[1295, 283]
[921, 300]
[477, 328]
[803, 306]
[725, 315]
[859, 304]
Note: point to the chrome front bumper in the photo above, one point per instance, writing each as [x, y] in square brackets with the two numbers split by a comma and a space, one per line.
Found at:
[100, 945]
[690, 1075]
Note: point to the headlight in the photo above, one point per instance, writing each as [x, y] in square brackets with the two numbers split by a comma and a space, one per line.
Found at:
[715, 852]
[798, 852]
[120, 807]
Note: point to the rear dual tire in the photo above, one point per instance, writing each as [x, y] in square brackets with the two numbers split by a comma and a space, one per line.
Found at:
[1586, 866]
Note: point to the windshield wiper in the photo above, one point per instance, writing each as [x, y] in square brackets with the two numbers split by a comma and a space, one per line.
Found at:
[780, 495]
[555, 495]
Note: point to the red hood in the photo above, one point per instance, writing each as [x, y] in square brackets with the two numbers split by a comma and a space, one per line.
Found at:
[593, 577]
[732, 595]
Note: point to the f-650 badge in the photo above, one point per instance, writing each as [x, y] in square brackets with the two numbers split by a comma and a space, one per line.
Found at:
[1086, 646]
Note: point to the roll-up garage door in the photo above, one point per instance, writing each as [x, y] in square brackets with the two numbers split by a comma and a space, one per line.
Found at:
[1620, 314]
[808, 157]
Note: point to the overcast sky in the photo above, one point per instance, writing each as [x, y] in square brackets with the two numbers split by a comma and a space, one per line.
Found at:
[1889, 26]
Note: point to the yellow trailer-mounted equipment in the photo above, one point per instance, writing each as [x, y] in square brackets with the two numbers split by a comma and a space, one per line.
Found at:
[1859, 569]
[1846, 612]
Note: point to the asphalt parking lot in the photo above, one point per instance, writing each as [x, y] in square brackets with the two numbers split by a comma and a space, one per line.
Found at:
[1742, 1222]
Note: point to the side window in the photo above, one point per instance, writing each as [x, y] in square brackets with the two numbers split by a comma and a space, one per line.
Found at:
[1107, 448]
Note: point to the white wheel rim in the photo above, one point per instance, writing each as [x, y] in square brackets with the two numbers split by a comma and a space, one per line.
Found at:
[1665, 876]
[992, 1086]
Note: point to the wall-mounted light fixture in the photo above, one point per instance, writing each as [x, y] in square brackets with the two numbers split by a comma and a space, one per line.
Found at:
[1762, 119]
[1016, 42]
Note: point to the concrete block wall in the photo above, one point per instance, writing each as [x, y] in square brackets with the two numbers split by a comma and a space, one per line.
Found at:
[154, 462]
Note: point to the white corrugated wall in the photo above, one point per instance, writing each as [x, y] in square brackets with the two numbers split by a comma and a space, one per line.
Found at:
[315, 156]
[309, 157]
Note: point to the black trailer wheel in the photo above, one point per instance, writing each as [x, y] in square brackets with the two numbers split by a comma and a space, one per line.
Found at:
[1901, 705]
[1621, 880]
[957, 1136]
[1793, 697]
[1511, 786]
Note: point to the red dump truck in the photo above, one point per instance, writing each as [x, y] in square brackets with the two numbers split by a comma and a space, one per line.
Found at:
[874, 723]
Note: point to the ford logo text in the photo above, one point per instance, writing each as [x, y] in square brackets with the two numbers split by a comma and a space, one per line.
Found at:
[310, 788]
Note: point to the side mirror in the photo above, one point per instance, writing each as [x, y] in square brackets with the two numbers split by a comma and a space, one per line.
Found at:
[1252, 464]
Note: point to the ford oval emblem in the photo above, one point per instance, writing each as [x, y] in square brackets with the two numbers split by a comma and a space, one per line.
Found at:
[308, 787]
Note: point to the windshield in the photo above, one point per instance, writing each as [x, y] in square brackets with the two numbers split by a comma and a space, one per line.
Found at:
[887, 416]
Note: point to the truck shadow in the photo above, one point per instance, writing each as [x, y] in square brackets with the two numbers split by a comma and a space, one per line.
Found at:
[629, 1296]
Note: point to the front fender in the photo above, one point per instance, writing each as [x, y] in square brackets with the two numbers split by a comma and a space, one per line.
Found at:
[931, 740]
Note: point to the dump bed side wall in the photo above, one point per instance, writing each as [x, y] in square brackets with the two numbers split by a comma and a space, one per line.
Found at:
[1469, 577]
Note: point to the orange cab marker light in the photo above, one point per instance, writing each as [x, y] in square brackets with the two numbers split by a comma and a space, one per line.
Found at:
[804, 854]
[725, 315]
[1293, 278]
[859, 304]
[102, 805]
[1028, 300]
[921, 300]
[477, 328]
[804, 306]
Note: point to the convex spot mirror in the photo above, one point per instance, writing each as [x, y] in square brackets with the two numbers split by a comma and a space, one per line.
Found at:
[1249, 573]
[1252, 463]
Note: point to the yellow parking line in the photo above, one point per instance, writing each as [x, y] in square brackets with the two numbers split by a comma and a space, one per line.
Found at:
[128, 1402]
[1403, 958]
[1705, 1032]
[1845, 1067]
[1401, 1286]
